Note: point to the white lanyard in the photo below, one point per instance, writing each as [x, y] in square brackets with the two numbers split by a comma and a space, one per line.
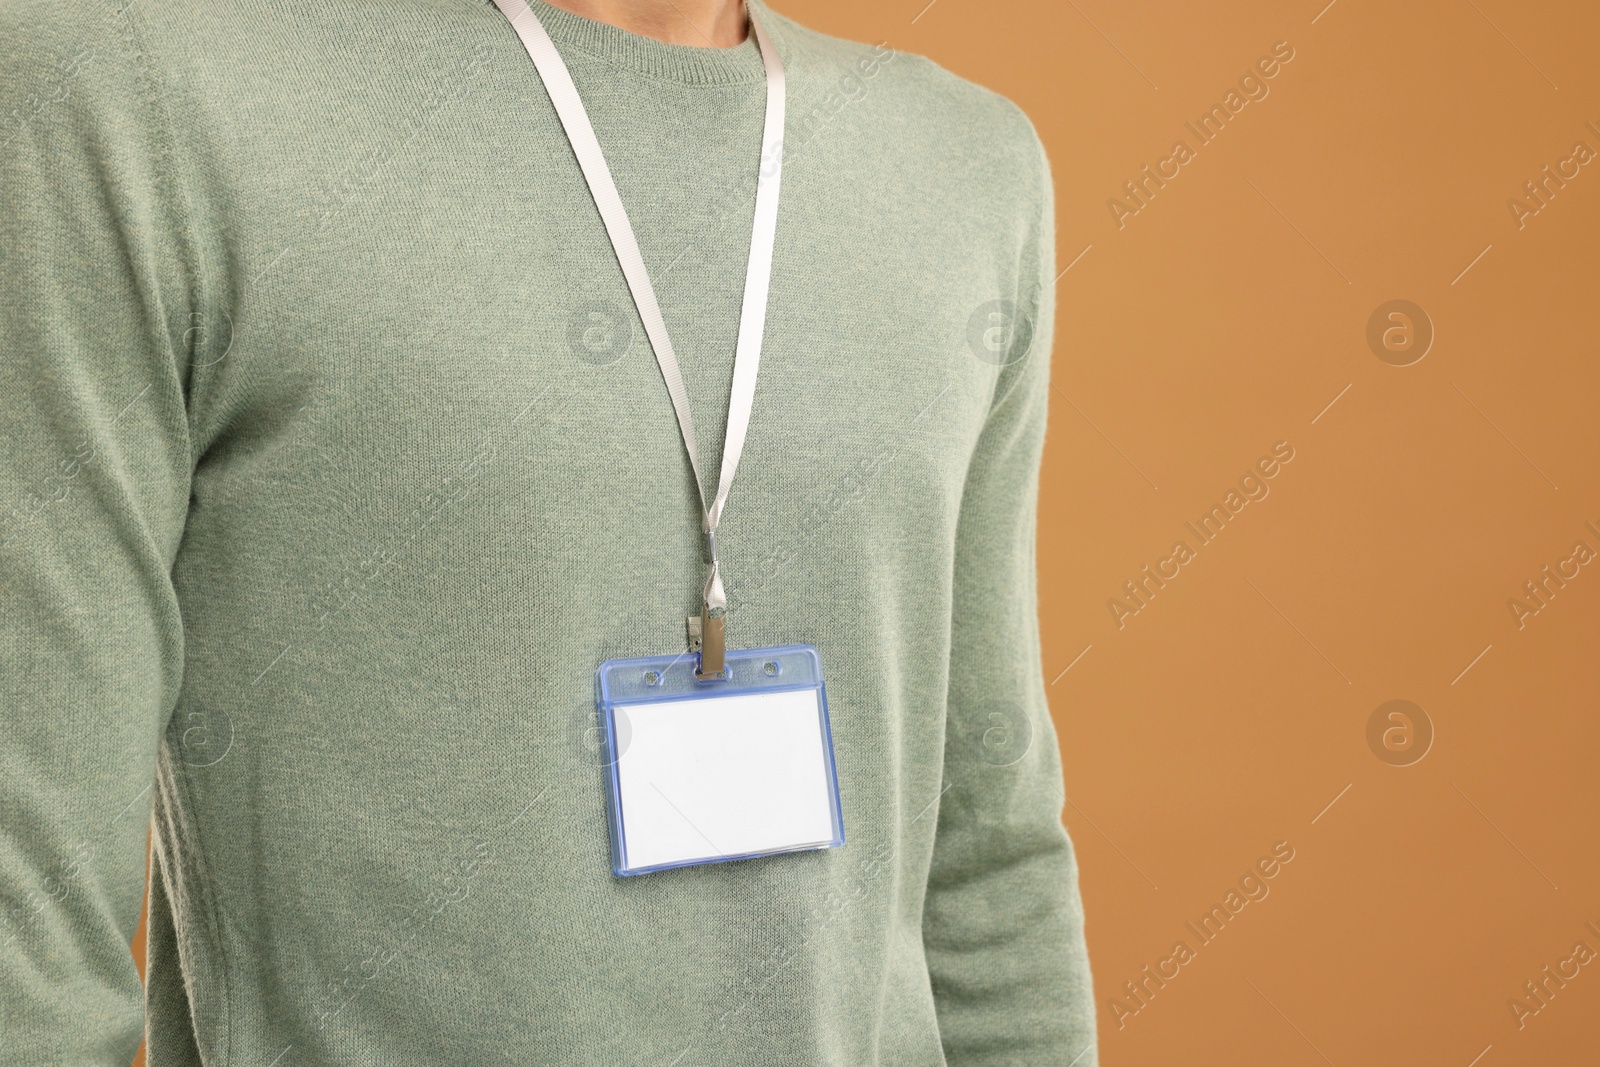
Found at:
[758, 273]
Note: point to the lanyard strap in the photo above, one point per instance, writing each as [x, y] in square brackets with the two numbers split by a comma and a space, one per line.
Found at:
[758, 273]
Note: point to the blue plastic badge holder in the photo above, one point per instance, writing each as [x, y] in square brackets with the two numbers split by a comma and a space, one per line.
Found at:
[710, 771]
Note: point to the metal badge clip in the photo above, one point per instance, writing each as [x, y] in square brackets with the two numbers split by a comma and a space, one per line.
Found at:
[712, 666]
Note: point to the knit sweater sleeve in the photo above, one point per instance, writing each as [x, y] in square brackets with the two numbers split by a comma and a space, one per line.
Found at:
[1003, 923]
[94, 488]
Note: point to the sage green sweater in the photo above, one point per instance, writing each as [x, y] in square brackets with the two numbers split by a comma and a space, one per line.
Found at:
[335, 460]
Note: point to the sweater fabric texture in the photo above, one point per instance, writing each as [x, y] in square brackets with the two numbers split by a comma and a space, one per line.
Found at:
[335, 460]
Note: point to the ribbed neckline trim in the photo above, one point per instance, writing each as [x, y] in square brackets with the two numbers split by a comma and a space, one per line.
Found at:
[689, 64]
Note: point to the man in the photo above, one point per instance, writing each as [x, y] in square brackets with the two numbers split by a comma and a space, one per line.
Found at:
[338, 458]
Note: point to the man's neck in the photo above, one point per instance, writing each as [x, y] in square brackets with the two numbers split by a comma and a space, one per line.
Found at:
[705, 23]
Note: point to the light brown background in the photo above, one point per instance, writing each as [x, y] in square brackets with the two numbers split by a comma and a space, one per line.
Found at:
[1230, 313]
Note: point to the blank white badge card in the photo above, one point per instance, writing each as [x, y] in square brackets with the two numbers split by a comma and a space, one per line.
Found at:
[702, 772]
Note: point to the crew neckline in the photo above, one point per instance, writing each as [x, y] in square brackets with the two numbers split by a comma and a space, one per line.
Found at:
[688, 64]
